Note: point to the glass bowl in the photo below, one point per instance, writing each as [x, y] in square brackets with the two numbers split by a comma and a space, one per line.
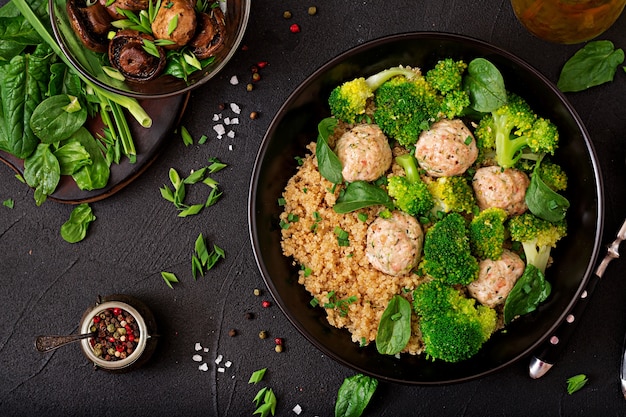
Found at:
[88, 63]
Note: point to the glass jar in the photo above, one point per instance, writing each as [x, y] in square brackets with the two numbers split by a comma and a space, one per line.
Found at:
[567, 21]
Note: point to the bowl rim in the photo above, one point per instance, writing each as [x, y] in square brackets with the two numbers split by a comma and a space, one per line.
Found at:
[435, 35]
[138, 95]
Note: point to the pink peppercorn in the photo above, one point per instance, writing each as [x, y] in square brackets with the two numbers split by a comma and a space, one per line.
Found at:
[295, 28]
[261, 64]
[278, 341]
[266, 304]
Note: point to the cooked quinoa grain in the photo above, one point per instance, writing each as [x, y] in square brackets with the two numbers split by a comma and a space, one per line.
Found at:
[339, 277]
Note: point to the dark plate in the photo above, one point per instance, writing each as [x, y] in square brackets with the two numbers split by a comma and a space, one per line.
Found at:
[165, 114]
[295, 125]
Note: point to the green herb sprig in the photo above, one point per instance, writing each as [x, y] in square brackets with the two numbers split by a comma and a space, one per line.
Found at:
[576, 382]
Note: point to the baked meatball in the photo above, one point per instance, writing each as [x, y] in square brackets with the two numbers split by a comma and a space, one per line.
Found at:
[447, 149]
[496, 278]
[503, 188]
[364, 152]
[394, 244]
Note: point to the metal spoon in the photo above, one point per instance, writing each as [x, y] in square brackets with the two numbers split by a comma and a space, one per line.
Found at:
[48, 343]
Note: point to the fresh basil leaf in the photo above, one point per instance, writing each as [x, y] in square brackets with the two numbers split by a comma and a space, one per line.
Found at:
[42, 172]
[544, 202]
[75, 228]
[592, 65]
[95, 175]
[360, 194]
[354, 395]
[529, 291]
[485, 85]
[57, 118]
[394, 328]
[327, 161]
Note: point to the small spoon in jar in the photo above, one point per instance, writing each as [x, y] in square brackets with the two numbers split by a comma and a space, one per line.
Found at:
[48, 343]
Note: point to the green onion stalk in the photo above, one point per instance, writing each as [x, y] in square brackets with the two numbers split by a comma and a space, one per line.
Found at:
[112, 100]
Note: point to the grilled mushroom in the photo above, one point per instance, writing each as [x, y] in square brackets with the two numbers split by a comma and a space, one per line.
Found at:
[91, 23]
[133, 5]
[175, 21]
[128, 56]
[210, 32]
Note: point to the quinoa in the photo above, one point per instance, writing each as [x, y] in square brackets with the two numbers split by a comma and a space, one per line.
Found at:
[339, 277]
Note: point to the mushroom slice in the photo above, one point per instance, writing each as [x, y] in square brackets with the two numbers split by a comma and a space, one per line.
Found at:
[175, 21]
[128, 56]
[90, 23]
[133, 5]
[210, 33]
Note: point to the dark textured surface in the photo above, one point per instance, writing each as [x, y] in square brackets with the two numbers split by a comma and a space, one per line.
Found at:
[47, 283]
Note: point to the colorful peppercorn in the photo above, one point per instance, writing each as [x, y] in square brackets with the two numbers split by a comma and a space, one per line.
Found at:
[266, 304]
[116, 334]
[295, 28]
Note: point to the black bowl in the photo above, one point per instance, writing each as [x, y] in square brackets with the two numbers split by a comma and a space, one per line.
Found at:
[295, 125]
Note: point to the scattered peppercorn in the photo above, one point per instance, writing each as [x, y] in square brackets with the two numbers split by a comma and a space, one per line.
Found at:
[295, 28]
[261, 64]
[249, 316]
[262, 334]
[256, 77]
[287, 14]
[278, 348]
[232, 332]
[254, 115]
[266, 304]
[221, 106]
[312, 10]
[278, 341]
[257, 292]
[249, 87]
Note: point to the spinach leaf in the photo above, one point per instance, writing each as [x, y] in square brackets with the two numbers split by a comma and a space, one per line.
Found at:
[42, 172]
[592, 65]
[72, 156]
[15, 35]
[529, 291]
[544, 202]
[57, 118]
[96, 175]
[394, 328]
[360, 194]
[23, 85]
[485, 85]
[354, 395]
[75, 228]
[327, 161]
[64, 81]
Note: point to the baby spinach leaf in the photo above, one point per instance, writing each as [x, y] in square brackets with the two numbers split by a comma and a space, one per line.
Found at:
[42, 172]
[544, 202]
[57, 118]
[23, 84]
[327, 161]
[394, 328]
[529, 291]
[592, 65]
[75, 228]
[485, 85]
[354, 395]
[360, 194]
[72, 156]
[95, 175]
[15, 35]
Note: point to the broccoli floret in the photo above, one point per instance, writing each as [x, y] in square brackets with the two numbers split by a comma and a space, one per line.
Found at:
[447, 78]
[447, 254]
[537, 237]
[452, 194]
[453, 326]
[553, 175]
[487, 233]
[514, 131]
[349, 100]
[410, 194]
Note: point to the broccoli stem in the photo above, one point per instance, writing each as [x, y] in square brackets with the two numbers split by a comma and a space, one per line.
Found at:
[378, 79]
[409, 164]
